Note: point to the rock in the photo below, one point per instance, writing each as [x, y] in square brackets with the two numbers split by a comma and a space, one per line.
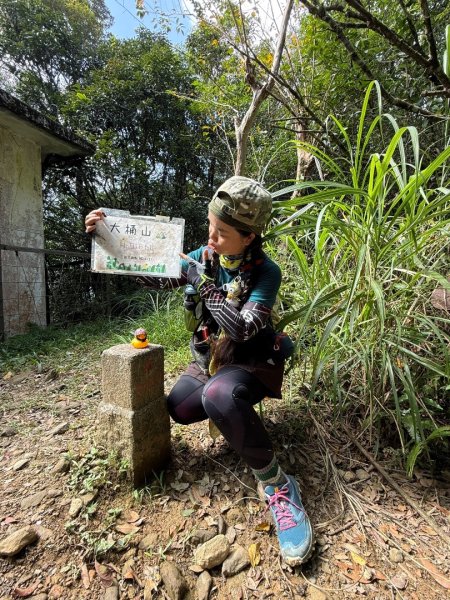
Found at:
[129, 554]
[235, 584]
[440, 299]
[200, 536]
[235, 515]
[196, 569]
[111, 593]
[173, 580]
[128, 569]
[361, 474]
[150, 540]
[221, 525]
[62, 466]
[75, 506]
[65, 406]
[8, 432]
[61, 428]
[51, 375]
[396, 555]
[315, 594]
[213, 552]
[348, 476]
[57, 591]
[41, 596]
[231, 534]
[44, 533]
[52, 493]
[89, 497]
[235, 562]
[33, 500]
[15, 542]
[204, 585]
[399, 581]
[20, 464]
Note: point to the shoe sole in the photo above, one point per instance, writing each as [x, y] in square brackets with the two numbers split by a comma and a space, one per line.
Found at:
[292, 562]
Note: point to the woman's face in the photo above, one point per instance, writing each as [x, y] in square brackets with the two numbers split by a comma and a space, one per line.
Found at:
[225, 239]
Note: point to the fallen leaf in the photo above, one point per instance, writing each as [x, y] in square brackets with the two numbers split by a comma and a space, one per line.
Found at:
[25, 592]
[379, 575]
[394, 532]
[435, 573]
[150, 585]
[187, 512]
[130, 516]
[198, 496]
[179, 486]
[105, 574]
[252, 584]
[126, 528]
[426, 482]
[351, 547]
[85, 577]
[341, 557]
[152, 576]
[254, 554]
[354, 572]
[213, 430]
[344, 566]
[357, 559]
[9, 520]
[7, 376]
[428, 530]
[443, 510]
[263, 527]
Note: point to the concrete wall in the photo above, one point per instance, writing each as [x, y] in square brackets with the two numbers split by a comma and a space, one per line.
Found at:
[21, 224]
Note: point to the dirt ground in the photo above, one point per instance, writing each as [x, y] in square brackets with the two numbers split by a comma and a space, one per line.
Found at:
[371, 539]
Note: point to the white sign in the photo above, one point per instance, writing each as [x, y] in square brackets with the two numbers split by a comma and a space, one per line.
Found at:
[126, 244]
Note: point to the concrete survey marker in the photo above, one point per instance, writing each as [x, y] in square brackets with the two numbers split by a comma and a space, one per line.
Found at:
[132, 416]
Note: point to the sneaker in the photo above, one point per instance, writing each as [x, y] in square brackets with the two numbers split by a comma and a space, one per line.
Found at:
[294, 530]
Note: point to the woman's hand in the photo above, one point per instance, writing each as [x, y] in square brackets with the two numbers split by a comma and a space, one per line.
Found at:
[91, 219]
[198, 273]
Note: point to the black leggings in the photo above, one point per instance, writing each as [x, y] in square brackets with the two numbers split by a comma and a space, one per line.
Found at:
[227, 399]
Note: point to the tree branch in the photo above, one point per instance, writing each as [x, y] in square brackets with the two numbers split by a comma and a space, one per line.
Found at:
[430, 35]
[354, 55]
[411, 25]
[430, 64]
[243, 128]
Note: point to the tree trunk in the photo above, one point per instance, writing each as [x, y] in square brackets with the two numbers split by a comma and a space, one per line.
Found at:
[260, 93]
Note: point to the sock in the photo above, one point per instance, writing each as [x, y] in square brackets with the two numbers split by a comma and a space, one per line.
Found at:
[271, 475]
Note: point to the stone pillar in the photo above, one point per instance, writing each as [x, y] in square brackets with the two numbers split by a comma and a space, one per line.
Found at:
[133, 417]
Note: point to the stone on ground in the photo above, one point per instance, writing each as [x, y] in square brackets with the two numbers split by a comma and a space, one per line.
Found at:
[213, 552]
[174, 581]
[15, 542]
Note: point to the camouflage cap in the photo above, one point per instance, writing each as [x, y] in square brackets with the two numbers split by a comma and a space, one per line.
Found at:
[242, 203]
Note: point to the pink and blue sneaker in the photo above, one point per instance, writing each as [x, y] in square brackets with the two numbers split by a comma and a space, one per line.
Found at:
[295, 534]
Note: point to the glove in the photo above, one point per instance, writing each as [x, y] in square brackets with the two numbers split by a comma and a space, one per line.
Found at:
[198, 275]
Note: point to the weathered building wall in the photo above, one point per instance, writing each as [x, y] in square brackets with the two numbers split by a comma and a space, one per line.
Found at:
[21, 224]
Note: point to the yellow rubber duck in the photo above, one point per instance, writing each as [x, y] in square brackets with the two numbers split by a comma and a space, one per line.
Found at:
[140, 339]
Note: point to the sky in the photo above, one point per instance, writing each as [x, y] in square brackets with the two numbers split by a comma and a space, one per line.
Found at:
[126, 20]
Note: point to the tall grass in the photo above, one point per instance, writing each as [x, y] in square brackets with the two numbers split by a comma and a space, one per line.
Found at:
[80, 346]
[366, 249]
